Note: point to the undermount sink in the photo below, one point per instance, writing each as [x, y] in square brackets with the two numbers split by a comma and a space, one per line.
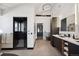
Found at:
[77, 39]
[61, 35]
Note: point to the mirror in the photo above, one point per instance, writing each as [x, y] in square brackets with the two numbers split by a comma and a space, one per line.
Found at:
[63, 24]
[71, 23]
[68, 24]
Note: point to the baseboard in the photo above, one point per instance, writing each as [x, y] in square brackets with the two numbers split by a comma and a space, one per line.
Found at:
[30, 48]
[19, 48]
[13, 48]
[33, 46]
[7, 48]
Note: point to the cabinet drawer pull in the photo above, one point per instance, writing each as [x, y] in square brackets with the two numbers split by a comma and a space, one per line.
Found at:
[66, 43]
[65, 53]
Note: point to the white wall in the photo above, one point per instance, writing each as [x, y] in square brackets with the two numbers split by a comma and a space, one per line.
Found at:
[70, 19]
[40, 19]
[63, 10]
[27, 10]
[46, 25]
[77, 18]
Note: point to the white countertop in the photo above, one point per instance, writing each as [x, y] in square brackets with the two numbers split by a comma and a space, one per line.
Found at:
[71, 40]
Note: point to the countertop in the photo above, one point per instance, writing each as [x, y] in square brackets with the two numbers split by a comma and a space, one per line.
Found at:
[68, 39]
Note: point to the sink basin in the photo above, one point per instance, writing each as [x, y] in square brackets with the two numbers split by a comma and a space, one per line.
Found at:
[62, 36]
[77, 40]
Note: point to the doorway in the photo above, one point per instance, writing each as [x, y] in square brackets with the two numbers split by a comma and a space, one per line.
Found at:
[39, 30]
[19, 32]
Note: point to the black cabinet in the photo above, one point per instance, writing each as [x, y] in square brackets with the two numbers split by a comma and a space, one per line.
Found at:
[58, 43]
[53, 41]
[73, 49]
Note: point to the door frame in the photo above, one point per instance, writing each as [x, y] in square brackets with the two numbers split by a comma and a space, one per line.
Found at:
[42, 30]
[14, 30]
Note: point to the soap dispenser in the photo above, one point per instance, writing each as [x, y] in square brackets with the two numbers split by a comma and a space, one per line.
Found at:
[73, 36]
[68, 35]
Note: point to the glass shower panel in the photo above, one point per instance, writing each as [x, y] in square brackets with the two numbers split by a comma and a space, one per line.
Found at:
[22, 27]
[16, 26]
[38, 30]
[19, 27]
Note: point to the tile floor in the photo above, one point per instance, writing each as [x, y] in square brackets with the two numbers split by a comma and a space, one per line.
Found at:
[42, 48]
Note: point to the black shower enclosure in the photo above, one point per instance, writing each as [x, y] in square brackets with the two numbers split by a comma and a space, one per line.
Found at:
[19, 32]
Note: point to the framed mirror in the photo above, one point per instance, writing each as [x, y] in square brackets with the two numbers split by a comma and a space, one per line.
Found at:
[71, 23]
[64, 24]
[68, 23]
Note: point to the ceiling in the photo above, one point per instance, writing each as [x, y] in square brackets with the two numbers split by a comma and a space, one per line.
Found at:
[56, 7]
[6, 7]
[44, 8]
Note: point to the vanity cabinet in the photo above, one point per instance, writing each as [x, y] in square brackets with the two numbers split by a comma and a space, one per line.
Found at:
[56, 42]
[70, 49]
[64, 47]
[73, 49]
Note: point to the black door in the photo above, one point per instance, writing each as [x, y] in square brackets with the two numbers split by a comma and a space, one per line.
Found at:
[19, 32]
[40, 30]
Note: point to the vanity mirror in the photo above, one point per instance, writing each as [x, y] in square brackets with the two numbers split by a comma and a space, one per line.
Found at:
[71, 23]
[68, 24]
[63, 24]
